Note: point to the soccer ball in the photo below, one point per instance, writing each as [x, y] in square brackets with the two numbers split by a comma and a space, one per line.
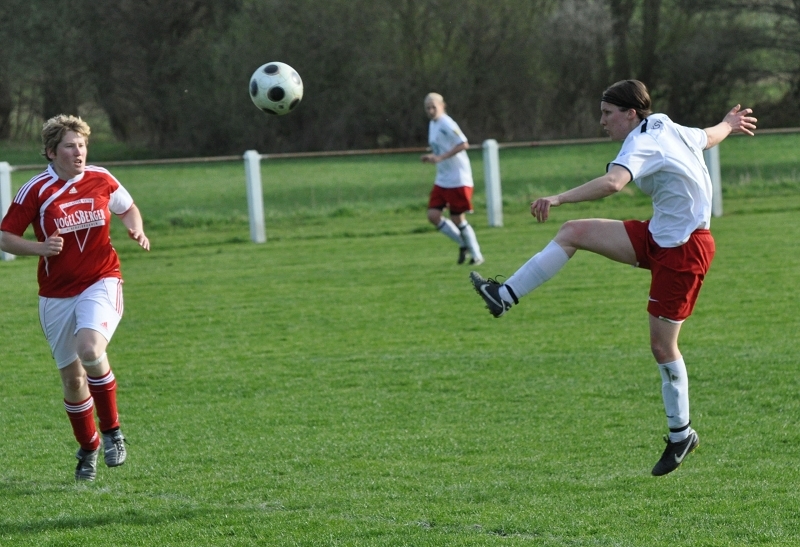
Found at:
[276, 88]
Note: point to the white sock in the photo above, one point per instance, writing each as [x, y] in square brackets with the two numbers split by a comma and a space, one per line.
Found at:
[448, 228]
[675, 392]
[468, 235]
[536, 271]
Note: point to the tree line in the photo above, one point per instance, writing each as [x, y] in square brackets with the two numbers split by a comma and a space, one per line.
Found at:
[172, 75]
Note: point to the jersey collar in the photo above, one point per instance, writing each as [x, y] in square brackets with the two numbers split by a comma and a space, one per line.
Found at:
[55, 175]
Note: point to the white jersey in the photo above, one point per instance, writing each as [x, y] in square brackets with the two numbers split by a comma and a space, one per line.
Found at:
[444, 135]
[666, 162]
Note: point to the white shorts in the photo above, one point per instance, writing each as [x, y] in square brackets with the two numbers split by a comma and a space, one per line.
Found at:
[98, 308]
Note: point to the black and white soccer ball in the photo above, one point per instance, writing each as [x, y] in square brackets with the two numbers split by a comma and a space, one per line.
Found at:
[276, 88]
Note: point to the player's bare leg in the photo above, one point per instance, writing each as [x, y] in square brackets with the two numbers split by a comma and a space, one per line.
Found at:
[597, 235]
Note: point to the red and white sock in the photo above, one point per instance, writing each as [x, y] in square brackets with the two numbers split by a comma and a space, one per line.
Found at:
[104, 392]
[81, 416]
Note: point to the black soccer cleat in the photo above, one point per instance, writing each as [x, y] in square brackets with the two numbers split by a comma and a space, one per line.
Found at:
[674, 454]
[462, 255]
[489, 290]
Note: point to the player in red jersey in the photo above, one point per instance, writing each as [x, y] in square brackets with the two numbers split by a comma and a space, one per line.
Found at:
[69, 206]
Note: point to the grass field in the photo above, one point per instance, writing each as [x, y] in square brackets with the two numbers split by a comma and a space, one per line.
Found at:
[342, 385]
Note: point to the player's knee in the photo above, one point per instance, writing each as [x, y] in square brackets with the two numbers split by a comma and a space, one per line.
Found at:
[434, 216]
[571, 233]
[74, 382]
[664, 353]
[92, 356]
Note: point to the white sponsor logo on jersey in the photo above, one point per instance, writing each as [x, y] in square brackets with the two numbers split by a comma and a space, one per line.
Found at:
[78, 220]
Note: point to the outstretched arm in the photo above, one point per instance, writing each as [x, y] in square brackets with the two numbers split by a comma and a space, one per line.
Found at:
[610, 183]
[735, 121]
[132, 219]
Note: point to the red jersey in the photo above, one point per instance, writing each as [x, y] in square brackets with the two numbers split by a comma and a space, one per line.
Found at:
[80, 209]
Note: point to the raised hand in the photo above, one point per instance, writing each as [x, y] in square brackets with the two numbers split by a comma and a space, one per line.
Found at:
[741, 121]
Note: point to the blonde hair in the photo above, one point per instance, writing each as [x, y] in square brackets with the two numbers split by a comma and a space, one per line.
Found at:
[55, 128]
[434, 97]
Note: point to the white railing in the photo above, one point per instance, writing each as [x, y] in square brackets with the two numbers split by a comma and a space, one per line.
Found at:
[255, 200]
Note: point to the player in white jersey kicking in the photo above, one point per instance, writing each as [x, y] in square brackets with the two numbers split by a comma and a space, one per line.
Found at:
[665, 160]
[453, 185]
[69, 206]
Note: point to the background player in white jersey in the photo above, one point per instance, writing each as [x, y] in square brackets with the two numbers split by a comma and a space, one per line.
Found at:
[80, 284]
[665, 161]
[453, 185]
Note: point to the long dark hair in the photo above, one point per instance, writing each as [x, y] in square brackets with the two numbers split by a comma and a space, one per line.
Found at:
[629, 94]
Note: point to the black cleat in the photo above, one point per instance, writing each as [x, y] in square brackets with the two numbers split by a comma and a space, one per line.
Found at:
[489, 290]
[675, 453]
[462, 255]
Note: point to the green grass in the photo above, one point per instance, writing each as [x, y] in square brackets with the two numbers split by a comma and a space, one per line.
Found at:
[343, 385]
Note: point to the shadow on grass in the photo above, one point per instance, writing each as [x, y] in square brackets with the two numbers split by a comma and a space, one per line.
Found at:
[74, 522]
[11, 490]
[126, 517]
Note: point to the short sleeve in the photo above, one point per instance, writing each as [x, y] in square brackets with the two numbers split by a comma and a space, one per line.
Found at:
[120, 201]
[695, 136]
[454, 134]
[641, 154]
[19, 216]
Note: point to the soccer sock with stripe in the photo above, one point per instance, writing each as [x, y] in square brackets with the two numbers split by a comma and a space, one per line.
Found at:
[448, 228]
[104, 392]
[541, 267]
[675, 392]
[469, 238]
[81, 416]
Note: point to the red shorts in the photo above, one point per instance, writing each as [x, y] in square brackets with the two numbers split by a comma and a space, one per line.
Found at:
[458, 200]
[677, 272]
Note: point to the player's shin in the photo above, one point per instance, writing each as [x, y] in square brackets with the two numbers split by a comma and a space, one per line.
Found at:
[104, 392]
[675, 392]
[540, 268]
[81, 416]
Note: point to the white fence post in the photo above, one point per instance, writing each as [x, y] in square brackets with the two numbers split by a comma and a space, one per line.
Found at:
[712, 162]
[491, 174]
[5, 198]
[255, 196]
